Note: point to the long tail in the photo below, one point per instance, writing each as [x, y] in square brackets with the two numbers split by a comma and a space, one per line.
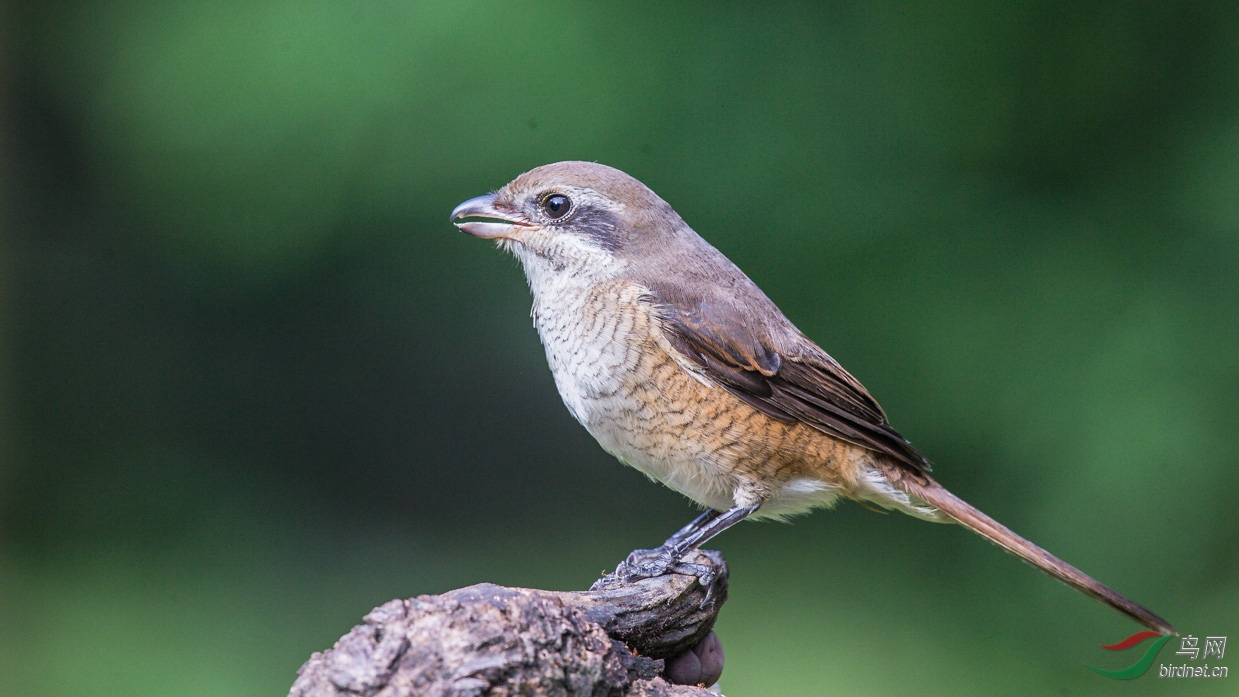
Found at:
[933, 494]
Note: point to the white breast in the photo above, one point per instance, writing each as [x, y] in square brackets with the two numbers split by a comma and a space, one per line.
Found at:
[577, 327]
[596, 334]
[599, 333]
[587, 347]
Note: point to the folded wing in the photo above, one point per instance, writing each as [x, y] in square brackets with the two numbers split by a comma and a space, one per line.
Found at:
[802, 384]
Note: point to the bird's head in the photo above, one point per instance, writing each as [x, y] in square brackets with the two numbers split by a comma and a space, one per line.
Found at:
[580, 218]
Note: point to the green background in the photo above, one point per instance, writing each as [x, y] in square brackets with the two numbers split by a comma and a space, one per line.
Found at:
[254, 384]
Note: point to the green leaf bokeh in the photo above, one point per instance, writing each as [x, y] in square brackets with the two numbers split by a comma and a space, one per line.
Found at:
[254, 384]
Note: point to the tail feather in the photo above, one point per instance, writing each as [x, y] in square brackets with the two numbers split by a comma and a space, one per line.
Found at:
[935, 495]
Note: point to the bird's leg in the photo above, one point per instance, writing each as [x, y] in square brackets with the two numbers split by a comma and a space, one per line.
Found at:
[656, 562]
[703, 529]
[688, 530]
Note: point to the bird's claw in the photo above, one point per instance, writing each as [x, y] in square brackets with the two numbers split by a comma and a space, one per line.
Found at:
[652, 563]
[646, 563]
[705, 578]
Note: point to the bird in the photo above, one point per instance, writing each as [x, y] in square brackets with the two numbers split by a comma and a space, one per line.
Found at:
[681, 367]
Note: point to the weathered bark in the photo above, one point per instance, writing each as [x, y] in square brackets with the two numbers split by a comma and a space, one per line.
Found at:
[487, 639]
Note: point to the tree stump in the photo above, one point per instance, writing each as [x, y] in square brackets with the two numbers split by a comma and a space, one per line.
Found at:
[618, 638]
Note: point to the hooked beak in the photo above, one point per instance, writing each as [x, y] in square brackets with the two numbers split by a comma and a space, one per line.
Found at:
[500, 224]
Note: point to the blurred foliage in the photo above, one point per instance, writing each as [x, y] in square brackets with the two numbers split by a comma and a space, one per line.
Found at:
[255, 384]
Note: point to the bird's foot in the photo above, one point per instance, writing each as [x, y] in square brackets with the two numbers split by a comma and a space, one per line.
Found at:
[646, 563]
[652, 563]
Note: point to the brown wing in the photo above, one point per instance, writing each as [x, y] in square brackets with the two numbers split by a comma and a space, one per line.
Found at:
[806, 385]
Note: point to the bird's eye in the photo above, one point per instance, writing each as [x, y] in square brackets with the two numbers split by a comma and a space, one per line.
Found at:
[556, 206]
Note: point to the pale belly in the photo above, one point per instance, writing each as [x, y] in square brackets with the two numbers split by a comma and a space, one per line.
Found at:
[648, 410]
